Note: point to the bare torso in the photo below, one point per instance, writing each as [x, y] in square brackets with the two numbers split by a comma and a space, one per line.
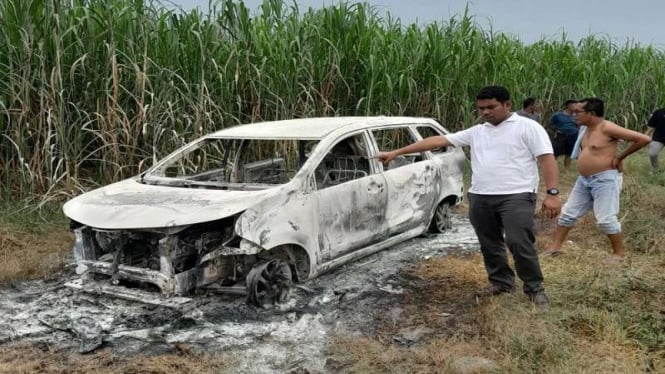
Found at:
[598, 151]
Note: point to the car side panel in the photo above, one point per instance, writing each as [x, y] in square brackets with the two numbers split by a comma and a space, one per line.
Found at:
[413, 193]
[351, 215]
[451, 166]
[415, 190]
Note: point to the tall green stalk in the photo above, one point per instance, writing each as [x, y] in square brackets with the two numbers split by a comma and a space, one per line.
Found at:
[92, 91]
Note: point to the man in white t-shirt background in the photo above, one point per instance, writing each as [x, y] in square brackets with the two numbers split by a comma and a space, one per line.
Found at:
[505, 153]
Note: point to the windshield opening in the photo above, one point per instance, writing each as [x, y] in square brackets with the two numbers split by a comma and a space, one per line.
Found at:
[219, 162]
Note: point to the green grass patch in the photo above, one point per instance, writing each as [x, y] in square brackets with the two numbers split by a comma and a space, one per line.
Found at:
[31, 215]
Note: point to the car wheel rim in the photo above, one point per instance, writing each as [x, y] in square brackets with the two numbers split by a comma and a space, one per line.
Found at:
[442, 217]
[268, 283]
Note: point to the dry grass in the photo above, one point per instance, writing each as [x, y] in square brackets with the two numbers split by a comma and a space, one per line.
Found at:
[365, 355]
[603, 319]
[33, 253]
[28, 359]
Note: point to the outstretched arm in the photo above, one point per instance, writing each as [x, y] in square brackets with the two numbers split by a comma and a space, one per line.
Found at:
[426, 144]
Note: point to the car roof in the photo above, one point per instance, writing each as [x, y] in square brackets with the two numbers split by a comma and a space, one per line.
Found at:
[310, 128]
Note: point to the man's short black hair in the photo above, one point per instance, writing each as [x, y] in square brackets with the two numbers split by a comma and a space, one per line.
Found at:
[568, 102]
[594, 104]
[499, 93]
[528, 102]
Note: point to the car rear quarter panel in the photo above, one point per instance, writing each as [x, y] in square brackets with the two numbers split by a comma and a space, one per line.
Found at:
[451, 166]
[413, 191]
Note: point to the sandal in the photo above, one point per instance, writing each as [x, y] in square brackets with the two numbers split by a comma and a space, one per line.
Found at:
[552, 253]
[614, 260]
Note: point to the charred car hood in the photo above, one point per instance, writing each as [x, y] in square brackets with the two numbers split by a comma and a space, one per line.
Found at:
[131, 205]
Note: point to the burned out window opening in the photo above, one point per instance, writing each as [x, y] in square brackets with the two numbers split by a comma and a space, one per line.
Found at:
[393, 138]
[223, 163]
[426, 131]
[346, 161]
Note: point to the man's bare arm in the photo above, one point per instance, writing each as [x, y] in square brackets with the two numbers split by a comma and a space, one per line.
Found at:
[433, 142]
[548, 166]
[549, 126]
[638, 139]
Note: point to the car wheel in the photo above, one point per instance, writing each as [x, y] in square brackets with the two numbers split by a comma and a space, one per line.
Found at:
[442, 220]
[268, 283]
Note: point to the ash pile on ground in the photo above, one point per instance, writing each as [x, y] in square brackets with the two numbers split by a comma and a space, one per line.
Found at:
[289, 337]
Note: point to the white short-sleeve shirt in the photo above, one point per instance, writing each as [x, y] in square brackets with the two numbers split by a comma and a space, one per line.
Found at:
[503, 157]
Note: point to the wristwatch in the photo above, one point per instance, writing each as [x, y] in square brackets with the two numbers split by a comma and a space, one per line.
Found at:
[553, 191]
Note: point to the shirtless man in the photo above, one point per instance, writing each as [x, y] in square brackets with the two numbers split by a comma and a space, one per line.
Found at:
[599, 184]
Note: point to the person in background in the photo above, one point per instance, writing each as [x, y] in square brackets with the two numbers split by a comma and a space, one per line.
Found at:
[656, 130]
[598, 187]
[530, 109]
[505, 153]
[564, 129]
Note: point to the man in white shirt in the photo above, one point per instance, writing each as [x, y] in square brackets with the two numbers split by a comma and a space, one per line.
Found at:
[505, 153]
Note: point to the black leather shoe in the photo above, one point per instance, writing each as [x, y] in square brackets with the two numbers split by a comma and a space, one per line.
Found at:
[493, 290]
[540, 300]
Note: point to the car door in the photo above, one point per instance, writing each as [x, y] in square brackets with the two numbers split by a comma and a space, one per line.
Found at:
[413, 181]
[351, 196]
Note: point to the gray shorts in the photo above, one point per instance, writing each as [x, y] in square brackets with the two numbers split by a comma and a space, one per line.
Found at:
[600, 192]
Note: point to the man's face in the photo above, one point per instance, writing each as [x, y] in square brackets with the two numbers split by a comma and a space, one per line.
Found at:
[493, 111]
[578, 112]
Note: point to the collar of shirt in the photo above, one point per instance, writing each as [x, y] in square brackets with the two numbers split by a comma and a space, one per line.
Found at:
[513, 117]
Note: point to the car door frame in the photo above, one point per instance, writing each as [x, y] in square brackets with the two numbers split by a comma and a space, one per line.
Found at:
[342, 209]
[414, 190]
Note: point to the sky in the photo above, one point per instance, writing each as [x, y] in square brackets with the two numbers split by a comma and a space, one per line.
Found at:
[623, 21]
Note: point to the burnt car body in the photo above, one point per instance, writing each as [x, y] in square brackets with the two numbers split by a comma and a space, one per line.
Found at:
[253, 208]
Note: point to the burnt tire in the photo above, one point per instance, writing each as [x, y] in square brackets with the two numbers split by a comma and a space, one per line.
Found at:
[442, 220]
[268, 283]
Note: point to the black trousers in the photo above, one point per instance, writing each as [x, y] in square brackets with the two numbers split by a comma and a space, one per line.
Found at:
[505, 222]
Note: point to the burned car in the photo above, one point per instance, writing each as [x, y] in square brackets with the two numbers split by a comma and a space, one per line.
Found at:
[253, 208]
